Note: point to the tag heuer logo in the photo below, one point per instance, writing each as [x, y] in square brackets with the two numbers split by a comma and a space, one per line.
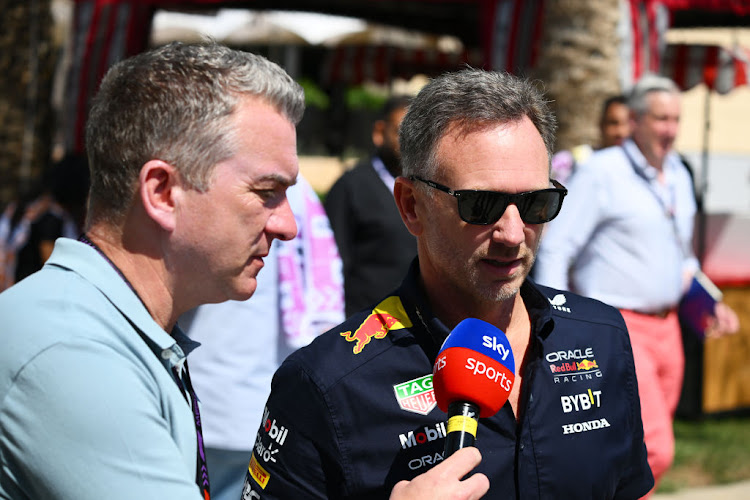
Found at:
[416, 395]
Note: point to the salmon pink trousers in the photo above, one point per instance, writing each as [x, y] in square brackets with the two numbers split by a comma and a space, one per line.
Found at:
[659, 366]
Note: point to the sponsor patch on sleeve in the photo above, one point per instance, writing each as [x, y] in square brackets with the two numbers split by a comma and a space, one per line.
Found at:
[258, 473]
[386, 316]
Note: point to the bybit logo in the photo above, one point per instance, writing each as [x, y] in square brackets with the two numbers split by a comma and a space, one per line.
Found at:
[581, 402]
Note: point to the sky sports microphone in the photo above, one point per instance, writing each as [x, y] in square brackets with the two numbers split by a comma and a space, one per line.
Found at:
[472, 377]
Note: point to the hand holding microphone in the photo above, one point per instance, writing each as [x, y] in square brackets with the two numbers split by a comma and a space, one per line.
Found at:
[446, 480]
[472, 378]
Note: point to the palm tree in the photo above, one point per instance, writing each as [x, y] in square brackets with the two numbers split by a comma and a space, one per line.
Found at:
[578, 63]
[27, 55]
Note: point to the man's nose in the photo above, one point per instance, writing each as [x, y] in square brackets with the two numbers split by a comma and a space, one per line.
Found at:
[508, 230]
[282, 224]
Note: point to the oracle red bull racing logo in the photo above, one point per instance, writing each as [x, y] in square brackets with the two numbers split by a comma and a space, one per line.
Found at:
[386, 316]
[574, 365]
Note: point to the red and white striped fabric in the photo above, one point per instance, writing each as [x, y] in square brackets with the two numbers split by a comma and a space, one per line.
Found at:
[720, 69]
[737, 7]
[516, 27]
[103, 32]
[643, 24]
[510, 32]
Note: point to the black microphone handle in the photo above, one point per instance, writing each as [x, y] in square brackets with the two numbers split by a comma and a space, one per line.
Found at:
[463, 418]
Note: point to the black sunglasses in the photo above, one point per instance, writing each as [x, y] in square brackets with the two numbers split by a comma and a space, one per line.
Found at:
[486, 207]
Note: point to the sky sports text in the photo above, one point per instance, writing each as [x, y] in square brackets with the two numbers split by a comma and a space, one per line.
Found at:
[480, 368]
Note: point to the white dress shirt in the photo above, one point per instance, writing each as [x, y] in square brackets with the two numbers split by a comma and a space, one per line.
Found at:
[622, 236]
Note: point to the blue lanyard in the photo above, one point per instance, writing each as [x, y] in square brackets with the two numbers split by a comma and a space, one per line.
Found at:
[670, 210]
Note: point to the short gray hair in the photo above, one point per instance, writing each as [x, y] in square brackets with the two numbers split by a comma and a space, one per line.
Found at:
[175, 103]
[647, 84]
[472, 99]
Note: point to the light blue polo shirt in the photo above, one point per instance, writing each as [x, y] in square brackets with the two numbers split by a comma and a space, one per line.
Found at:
[88, 406]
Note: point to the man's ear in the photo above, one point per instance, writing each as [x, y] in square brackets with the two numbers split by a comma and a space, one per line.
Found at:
[159, 183]
[404, 192]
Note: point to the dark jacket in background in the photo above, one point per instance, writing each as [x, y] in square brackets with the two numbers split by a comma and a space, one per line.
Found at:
[375, 246]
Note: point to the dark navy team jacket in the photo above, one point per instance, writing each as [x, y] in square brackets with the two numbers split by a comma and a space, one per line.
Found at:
[354, 412]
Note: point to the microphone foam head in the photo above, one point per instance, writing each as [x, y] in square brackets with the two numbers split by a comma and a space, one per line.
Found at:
[475, 364]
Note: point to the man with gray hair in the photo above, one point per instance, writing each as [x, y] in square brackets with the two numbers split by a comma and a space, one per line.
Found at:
[626, 238]
[192, 149]
[355, 412]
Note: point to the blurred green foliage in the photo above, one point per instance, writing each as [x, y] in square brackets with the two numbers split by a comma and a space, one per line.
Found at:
[314, 95]
[709, 451]
[361, 97]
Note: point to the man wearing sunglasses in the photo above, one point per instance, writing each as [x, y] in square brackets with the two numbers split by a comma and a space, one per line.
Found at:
[354, 412]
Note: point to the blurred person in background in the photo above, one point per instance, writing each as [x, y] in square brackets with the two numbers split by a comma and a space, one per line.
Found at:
[614, 128]
[30, 225]
[375, 246]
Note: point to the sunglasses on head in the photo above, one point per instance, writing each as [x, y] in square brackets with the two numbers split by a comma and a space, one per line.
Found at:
[486, 207]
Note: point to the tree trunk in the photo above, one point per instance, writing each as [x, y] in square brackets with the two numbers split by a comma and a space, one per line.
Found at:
[27, 59]
[578, 63]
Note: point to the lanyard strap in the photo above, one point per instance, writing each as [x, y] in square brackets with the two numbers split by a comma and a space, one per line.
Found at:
[670, 211]
[201, 470]
[181, 379]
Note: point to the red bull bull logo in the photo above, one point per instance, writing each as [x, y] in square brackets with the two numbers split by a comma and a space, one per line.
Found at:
[386, 316]
[587, 364]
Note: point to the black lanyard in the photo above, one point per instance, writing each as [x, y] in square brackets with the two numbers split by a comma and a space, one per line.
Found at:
[183, 383]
